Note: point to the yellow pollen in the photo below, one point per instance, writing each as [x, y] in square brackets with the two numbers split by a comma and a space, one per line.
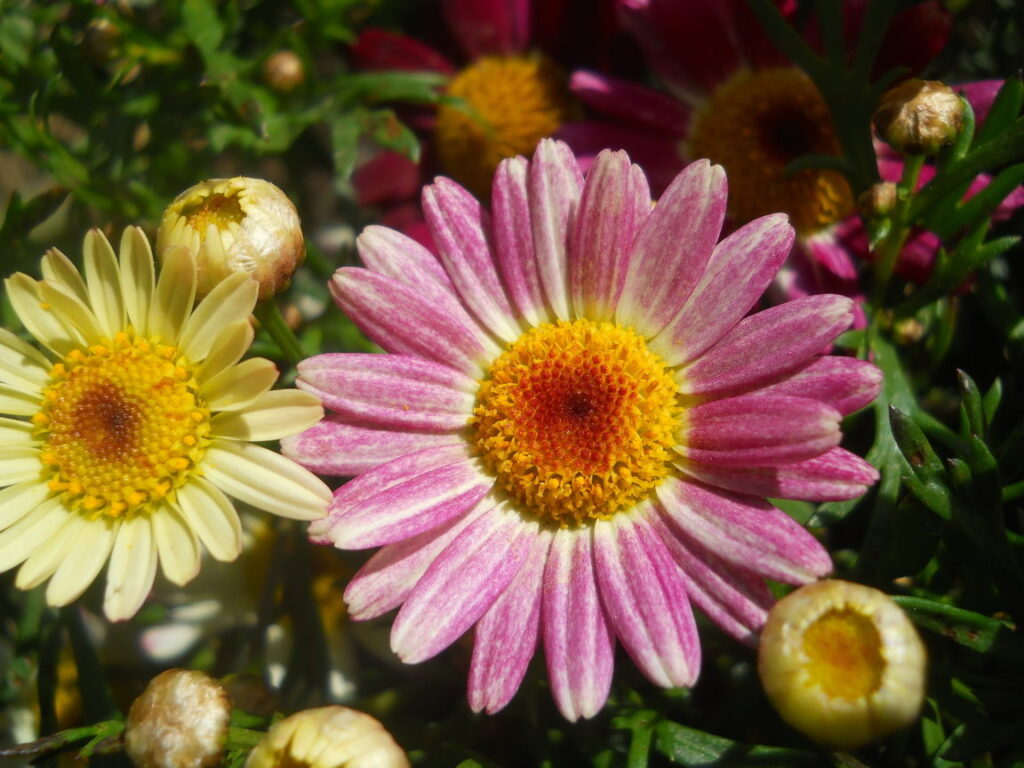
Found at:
[121, 428]
[218, 209]
[845, 654]
[754, 125]
[511, 103]
[577, 420]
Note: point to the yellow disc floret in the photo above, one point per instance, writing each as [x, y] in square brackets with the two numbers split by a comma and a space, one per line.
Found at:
[121, 425]
[577, 420]
[844, 654]
[754, 125]
[510, 103]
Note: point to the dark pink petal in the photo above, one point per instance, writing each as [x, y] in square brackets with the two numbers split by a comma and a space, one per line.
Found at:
[400, 257]
[645, 600]
[740, 269]
[513, 239]
[733, 598]
[836, 475]
[614, 205]
[980, 94]
[832, 254]
[336, 447]
[402, 498]
[744, 531]
[844, 383]
[461, 584]
[386, 177]
[506, 636]
[378, 49]
[912, 39]
[388, 577]
[554, 184]
[630, 102]
[390, 391]
[751, 430]
[578, 645]
[428, 321]
[461, 230]
[768, 344]
[485, 27]
[672, 251]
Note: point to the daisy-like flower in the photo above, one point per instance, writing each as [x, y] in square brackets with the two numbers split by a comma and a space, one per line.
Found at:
[576, 425]
[123, 436]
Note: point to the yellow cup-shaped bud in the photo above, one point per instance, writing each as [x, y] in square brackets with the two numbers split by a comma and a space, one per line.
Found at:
[236, 225]
[919, 117]
[842, 663]
[180, 721]
[328, 737]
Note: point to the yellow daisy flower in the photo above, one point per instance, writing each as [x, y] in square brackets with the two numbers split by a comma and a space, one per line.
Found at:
[122, 438]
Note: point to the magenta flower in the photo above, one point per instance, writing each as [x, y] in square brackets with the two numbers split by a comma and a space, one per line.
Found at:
[576, 425]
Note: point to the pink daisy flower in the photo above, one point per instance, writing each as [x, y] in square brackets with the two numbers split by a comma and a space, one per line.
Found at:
[573, 433]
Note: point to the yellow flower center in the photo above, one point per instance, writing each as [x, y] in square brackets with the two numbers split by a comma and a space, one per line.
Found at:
[845, 654]
[577, 420]
[754, 125]
[122, 426]
[218, 208]
[510, 103]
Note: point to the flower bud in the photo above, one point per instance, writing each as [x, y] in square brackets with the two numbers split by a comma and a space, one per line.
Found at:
[919, 117]
[179, 721]
[842, 663]
[878, 200]
[235, 225]
[284, 71]
[328, 737]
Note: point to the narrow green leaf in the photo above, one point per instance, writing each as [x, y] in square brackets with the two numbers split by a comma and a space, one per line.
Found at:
[927, 476]
[981, 206]
[972, 414]
[828, 162]
[202, 24]
[1004, 110]
[690, 747]
[974, 630]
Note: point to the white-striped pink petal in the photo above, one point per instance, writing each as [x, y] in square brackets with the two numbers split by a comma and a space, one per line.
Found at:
[398, 256]
[513, 240]
[845, 383]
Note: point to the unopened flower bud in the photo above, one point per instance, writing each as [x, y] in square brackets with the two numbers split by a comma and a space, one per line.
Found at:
[878, 200]
[180, 721]
[284, 71]
[842, 663]
[919, 117]
[328, 737]
[101, 41]
[236, 225]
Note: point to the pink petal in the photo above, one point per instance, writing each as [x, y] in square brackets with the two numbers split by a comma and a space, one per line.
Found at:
[388, 577]
[335, 447]
[755, 431]
[578, 645]
[506, 636]
[513, 239]
[614, 205]
[844, 383]
[485, 27]
[461, 230]
[386, 177]
[980, 94]
[740, 269]
[627, 101]
[672, 251]
[836, 475]
[745, 531]
[768, 344]
[378, 49]
[402, 258]
[645, 600]
[461, 584]
[390, 391]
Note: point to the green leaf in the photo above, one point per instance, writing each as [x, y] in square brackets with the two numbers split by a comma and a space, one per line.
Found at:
[1005, 108]
[927, 476]
[370, 87]
[202, 24]
[973, 630]
[972, 414]
[981, 206]
[690, 747]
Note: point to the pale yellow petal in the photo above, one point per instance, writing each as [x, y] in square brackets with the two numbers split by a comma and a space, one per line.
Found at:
[213, 517]
[227, 349]
[16, 501]
[175, 294]
[42, 563]
[265, 480]
[39, 318]
[30, 532]
[137, 278]
[15, 433]
[18, 464]
[239, 385]
[21, 365]
[176, 544]
[273, 415]
[83, 563]
[17, 402]
[132, 569]
[103, 280]
[72, 312]
[230, 301]
[57, 268]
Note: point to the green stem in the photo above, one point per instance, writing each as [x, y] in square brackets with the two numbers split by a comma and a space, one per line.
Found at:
[890, 247]
[270, 317]
[640, 747]
[1012, 492]
[243, 738]
[97, 701]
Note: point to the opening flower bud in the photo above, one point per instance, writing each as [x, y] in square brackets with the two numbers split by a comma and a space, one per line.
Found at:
[328, 737]
[180, 721]
[919, 117]
[284, 71]
[878, 200]
[235, 225]
[842, 663]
